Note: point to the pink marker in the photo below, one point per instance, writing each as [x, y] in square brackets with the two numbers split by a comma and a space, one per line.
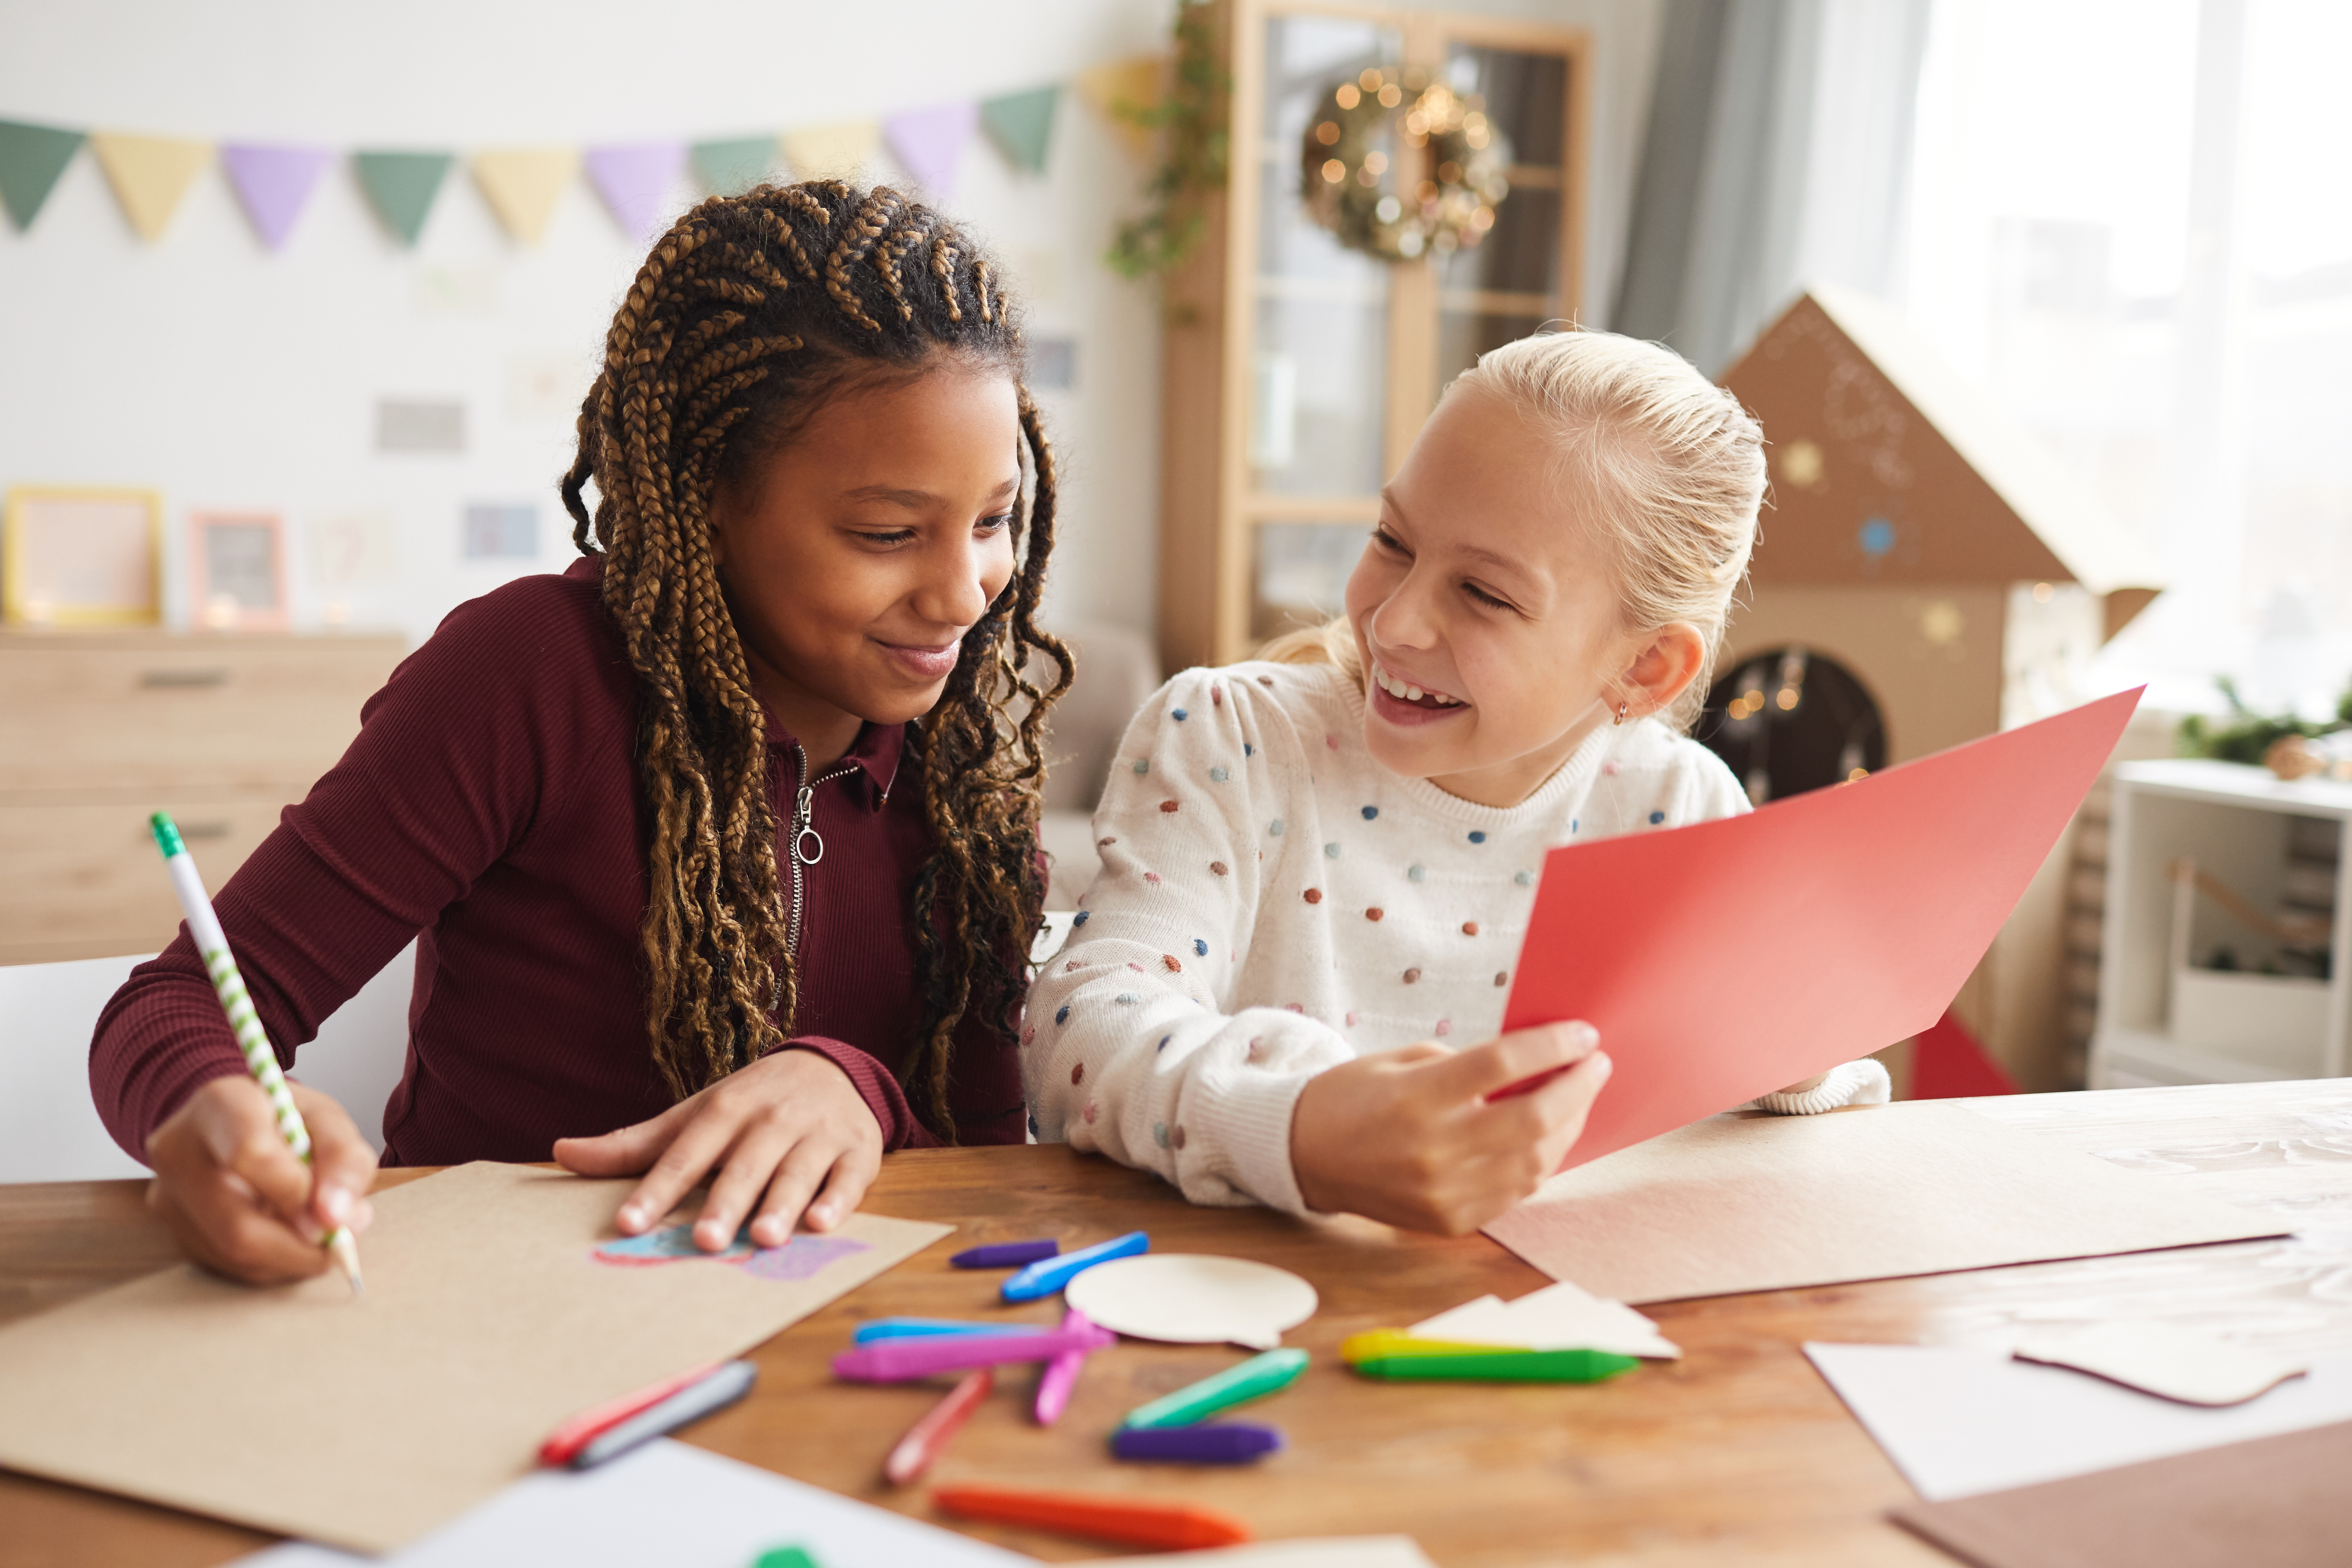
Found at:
[896, 1361]
[1061, 1374]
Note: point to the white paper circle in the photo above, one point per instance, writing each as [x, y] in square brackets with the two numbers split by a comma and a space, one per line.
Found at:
[1193, 1299]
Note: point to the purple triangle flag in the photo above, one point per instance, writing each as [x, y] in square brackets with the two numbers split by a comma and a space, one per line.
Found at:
[929, 143]
[274, 184]
[635, 181]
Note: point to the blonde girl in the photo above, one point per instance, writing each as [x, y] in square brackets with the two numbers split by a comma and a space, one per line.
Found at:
[1318, 867]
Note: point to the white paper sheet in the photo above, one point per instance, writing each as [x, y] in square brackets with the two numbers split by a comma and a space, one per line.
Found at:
[1958, 1420]
[669, 1504]
[1561, 1317]
[1323, 1552]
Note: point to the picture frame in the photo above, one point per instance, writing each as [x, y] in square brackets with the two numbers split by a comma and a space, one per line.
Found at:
[236, 570]
[81, 556]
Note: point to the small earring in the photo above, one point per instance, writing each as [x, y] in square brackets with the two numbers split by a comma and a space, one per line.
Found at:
[1621, 713]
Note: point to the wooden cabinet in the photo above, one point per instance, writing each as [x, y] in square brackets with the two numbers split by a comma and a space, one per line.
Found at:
[98, 730]
[1298, 371]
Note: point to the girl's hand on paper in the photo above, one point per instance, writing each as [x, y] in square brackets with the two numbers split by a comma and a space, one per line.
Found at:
[236, 1199]
[789, 1128]
[1419, 1138]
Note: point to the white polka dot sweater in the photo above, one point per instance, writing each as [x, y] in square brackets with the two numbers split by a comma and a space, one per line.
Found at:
[1274, 901]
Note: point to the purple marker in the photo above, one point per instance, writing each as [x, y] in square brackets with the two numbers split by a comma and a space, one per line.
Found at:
[896, 1361]
[1230, 1443]
[1005, 1254]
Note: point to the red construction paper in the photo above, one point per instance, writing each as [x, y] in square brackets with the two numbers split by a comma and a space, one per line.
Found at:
[1949, 1063]
[1727, 959]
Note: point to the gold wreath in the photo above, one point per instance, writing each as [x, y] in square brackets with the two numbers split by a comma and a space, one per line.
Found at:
[1353, 173]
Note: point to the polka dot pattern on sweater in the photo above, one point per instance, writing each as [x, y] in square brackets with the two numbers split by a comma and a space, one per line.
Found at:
[1312, 895]
[1201, 946]
[1371, 812]
[1219, 869]
[1081, 918]
[1178, 715]
[1170, 806]
[1656, 818]
[1218, 776]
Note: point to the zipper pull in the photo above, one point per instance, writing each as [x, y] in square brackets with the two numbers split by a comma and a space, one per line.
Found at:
[804, 833]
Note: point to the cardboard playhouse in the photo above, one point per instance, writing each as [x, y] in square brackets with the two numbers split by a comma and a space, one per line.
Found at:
[1927, 573]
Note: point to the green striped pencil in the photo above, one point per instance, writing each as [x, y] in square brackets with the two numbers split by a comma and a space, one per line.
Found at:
[204, 926]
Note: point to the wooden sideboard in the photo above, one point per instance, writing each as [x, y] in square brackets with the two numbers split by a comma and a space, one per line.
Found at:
[99, 729]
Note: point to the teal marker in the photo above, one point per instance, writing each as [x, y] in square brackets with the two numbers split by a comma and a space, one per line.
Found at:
[212, 944]
[1253, 1379]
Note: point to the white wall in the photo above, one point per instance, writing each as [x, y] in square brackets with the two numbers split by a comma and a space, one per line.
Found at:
[225, 376]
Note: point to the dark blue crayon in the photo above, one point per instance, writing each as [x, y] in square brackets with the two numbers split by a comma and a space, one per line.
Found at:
[1227, 1443]
[1004, 1254]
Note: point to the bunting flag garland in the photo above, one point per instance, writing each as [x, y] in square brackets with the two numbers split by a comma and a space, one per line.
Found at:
[274, 184]
[729, 168]
[522, 186]
[930, 143]
[150, 175]
[830, 152]
[1022, 125]
[1129, 84]
[401, 186]
[635, 181]
[31, 158]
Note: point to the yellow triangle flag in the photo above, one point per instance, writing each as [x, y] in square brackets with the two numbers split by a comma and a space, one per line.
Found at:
[1134, 84]
[831, 151]
[522, 186]
[150, 175]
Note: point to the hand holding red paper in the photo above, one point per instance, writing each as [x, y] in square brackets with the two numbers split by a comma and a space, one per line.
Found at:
[1724, 960]
[1444, 1140]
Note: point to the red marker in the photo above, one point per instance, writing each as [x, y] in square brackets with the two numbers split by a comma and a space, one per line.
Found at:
[1135, 1521]
[571, 1444]
[927, 1438]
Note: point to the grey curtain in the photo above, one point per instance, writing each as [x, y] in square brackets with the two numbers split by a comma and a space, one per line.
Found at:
[1778, 152]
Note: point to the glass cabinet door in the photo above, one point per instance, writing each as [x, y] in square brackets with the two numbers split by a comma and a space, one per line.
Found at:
[1514, 282]
[1335, 356]
[1318, 375]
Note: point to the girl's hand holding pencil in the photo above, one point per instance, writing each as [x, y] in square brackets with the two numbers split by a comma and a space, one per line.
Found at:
[1437, 1140]
[238, 1174]
[235, 1197]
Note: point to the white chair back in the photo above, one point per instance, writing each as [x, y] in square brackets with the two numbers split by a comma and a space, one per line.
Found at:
[49, 1130]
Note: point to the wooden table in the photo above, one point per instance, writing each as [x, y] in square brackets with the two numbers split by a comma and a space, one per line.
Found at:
[1737, 1453]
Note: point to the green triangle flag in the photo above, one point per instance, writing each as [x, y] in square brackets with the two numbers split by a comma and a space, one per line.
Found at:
[731, 167]
[31, 158]
[1022, 125]
[400, 187]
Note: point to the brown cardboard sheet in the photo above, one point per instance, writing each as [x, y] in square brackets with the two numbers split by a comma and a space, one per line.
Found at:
[2274, 1503]
[364, 1422]
[1751, 1202]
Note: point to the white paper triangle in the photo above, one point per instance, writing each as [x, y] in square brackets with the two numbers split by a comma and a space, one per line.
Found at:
[1562, 1317]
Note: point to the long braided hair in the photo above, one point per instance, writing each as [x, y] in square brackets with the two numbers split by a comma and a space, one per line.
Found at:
[747, 315]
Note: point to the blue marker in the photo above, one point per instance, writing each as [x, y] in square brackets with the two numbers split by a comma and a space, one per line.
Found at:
[1045, 1279]
[876, 1330]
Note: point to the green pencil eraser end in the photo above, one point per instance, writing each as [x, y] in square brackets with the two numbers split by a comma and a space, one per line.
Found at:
[167, 834]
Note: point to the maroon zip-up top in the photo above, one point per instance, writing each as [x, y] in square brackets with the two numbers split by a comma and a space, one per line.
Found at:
[490, 808]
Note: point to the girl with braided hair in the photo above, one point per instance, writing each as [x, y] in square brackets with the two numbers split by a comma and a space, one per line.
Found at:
[718, 848]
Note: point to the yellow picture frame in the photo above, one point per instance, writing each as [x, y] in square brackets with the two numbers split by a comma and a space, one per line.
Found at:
[81, 556]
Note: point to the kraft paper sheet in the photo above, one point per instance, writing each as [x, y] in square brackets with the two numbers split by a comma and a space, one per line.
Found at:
[2275, 1503]
[1751, 1202]
[365, 1423]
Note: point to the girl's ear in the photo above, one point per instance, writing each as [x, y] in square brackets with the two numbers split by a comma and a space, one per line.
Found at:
[1663, 669]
